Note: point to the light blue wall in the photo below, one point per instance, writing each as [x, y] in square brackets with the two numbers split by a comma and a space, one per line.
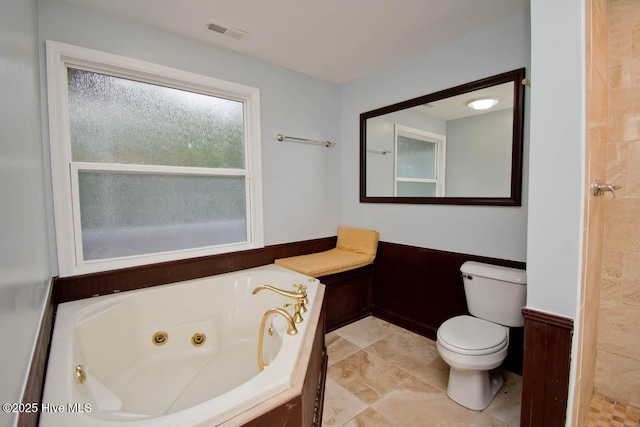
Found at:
[24, 260]
[499, 232]
[300, 181]
[309, 190]
[554, 261]
[479, 155]
[381, 135]
[557, 190]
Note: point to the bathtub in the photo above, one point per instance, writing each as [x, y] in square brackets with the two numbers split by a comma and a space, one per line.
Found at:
[142, 368]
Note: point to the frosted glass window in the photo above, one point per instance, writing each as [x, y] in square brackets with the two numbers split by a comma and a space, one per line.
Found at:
[117, 120]
[419, 162]
[150, 164]
[416, 158]
[125, 214]
[416, 189]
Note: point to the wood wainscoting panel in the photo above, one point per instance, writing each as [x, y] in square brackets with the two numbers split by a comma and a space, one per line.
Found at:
[127, 279]
[547, 359]
[418, 289]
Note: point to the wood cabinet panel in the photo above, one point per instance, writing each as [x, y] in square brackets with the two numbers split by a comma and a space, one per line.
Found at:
[418, 289]
[347, 296]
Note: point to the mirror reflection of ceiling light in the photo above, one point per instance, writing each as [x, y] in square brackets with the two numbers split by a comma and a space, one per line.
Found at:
[483, 103]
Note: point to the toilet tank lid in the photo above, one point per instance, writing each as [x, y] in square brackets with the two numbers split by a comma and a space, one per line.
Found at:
[497, 272]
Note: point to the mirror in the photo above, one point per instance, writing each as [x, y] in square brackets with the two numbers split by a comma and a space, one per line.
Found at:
[460, 146]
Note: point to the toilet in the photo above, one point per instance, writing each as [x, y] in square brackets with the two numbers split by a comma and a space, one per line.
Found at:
[474, 345]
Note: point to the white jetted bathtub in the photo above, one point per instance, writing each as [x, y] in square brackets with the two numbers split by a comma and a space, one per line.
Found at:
[205, 370]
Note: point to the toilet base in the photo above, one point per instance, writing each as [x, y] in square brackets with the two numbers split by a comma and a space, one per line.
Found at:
[473, 389]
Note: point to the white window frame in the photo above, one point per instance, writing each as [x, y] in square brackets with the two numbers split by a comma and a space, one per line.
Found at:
[60, 56]
[440, 142]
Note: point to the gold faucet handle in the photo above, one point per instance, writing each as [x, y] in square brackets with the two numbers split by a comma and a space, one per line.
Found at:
[298, 307]
[302, 291]
[301, 307]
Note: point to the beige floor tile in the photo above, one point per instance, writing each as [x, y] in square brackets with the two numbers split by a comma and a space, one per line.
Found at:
[339, 405]
[505, 407]
[338, 348]
[408, 351]
[369, 418]
[415, 403]
[435, 373]
[366, 331]
[330, 336]
[483, 420]
[405, 380]
[366, 375]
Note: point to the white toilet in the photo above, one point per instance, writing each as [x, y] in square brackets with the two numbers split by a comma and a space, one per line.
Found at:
[473, 345]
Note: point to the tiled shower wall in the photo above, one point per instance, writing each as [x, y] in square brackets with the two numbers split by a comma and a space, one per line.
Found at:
[618, 355]
[596, 75]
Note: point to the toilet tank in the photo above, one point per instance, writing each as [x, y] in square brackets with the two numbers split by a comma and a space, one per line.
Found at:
[495, 293]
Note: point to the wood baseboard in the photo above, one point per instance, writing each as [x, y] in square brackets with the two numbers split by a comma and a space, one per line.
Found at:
[35, 380]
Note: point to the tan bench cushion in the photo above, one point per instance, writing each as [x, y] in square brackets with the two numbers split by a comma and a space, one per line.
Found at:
[358, 240]
[327, 262]
[356, 247]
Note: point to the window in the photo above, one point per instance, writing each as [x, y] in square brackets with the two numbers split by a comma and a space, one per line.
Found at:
[149, 163]
[419, 162]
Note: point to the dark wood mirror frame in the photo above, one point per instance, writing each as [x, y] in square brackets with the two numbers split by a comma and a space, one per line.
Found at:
[515, 199]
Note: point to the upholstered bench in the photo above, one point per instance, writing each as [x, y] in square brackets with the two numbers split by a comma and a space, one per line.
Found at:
[347, 272]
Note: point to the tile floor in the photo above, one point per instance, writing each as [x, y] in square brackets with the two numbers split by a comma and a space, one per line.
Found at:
[606, 412]
[381, 375]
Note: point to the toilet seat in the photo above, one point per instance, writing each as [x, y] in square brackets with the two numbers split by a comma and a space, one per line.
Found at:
[473, 336]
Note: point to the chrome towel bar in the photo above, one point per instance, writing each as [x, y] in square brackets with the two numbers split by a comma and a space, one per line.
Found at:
[327, 144]
[382, 151]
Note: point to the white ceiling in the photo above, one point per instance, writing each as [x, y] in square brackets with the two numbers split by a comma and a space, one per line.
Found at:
[455, 107]
[335, 40]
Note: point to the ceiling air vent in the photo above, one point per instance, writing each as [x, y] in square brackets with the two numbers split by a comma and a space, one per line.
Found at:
[228, 31]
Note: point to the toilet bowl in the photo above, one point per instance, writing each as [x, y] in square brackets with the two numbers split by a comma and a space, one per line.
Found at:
[474, 345]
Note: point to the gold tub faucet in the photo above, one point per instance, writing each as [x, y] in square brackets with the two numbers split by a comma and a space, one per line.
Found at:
[300, 297]
[291, 331]
[301, 292]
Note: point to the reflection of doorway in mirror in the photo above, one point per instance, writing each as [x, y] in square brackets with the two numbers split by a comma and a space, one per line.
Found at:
[419, 166]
